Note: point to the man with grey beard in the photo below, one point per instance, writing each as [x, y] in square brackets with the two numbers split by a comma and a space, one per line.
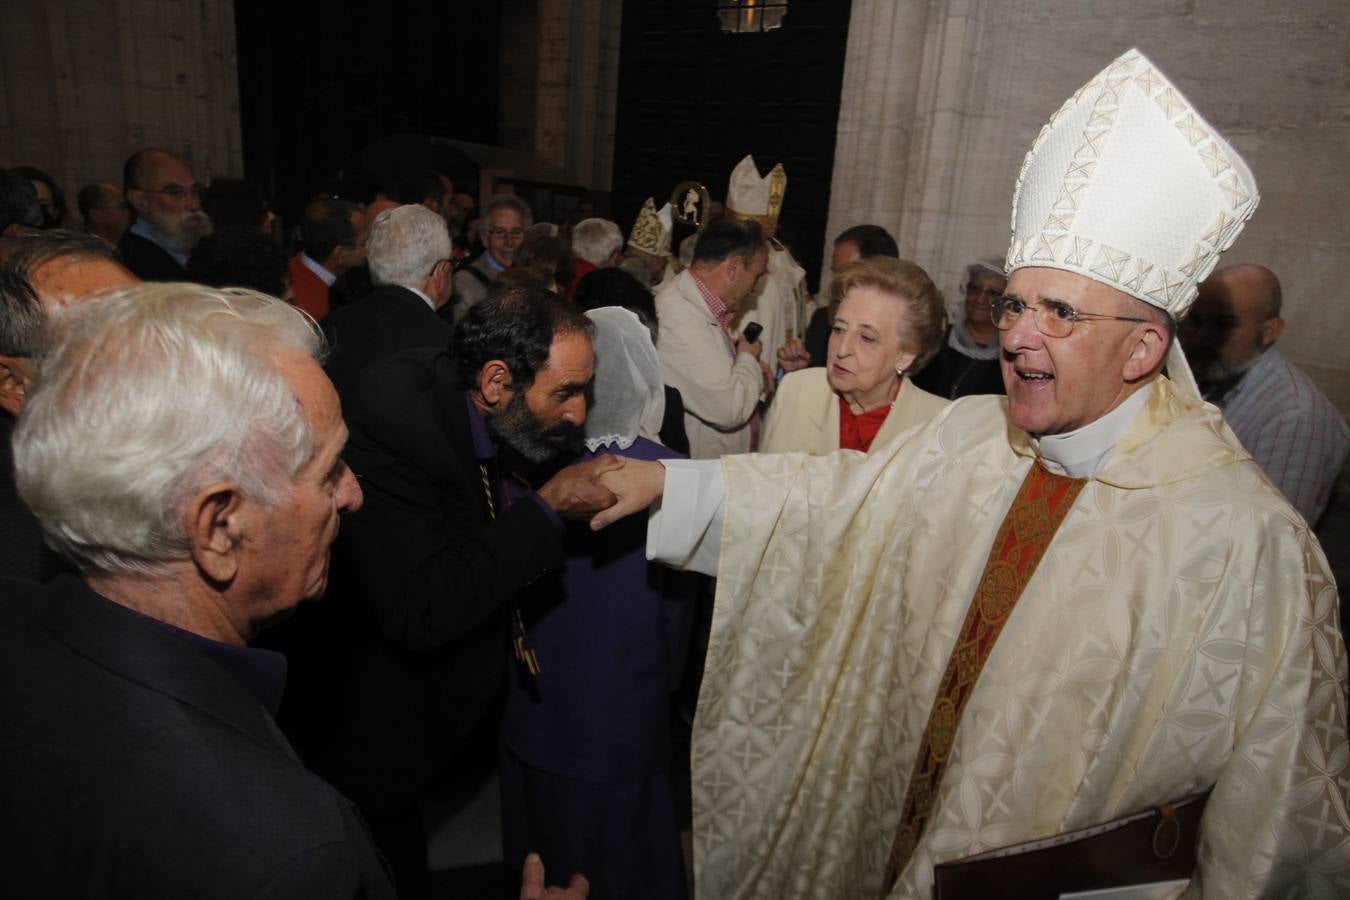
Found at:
[167, 200]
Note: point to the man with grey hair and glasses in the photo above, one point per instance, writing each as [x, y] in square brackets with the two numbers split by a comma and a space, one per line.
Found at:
[501, 227]
[1079, 607]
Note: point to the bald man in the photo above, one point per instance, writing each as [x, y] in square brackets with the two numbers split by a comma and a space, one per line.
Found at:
[167, 200]
[39, 274]
[1296, 435]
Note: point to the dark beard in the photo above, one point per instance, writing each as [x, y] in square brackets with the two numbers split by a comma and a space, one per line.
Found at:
[517, 427]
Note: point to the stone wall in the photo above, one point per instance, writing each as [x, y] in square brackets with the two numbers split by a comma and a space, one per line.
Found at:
[943, 97]
[84, 83]
[559, 84]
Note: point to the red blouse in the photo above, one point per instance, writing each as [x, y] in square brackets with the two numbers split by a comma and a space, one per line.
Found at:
[856, 432]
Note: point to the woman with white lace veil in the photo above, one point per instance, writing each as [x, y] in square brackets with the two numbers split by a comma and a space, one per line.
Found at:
[586, 745]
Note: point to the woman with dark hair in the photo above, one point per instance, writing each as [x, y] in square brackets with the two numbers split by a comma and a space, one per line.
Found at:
[549, 255]
[50, 196]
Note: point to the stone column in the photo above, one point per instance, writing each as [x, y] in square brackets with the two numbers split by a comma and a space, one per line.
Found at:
[578, 87]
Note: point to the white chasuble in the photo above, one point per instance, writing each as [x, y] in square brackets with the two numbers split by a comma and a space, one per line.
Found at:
[1180, 632]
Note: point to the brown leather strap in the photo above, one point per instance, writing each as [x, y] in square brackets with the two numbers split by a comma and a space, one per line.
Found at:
[1041, 504]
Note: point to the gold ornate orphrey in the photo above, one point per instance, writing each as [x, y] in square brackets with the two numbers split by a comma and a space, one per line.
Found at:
[689, 204]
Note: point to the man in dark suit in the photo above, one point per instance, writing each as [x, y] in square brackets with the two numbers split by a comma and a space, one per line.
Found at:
[167, 200]
[408, 659]
[408, 253]
[139, 757]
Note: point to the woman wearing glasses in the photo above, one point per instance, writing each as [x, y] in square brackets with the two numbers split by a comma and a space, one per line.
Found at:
[968, 361]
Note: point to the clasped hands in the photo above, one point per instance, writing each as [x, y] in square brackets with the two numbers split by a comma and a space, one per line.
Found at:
[604, 489]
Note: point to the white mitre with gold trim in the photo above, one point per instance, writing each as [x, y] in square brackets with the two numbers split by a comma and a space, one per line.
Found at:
[1129, 186]
[754, 197]
[651, 232]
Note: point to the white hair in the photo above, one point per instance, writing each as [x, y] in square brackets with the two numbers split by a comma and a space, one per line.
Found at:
[150, 396]
[596, 240]
[405, 244]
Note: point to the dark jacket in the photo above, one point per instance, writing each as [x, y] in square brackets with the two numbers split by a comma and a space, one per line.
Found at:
[148, 261]
[134, 765]
[952, 374]
[385, 321]
[408, 651]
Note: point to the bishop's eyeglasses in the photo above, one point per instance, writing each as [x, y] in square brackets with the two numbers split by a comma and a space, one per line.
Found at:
[1054, 318]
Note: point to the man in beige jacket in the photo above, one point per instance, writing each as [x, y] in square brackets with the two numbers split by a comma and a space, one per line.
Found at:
[721, 379]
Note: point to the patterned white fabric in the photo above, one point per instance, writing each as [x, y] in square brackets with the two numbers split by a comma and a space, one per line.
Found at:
[1123, 148]
[1180, 632]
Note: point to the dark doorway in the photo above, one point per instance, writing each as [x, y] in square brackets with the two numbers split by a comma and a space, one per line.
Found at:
[693, 101]
[318, 81]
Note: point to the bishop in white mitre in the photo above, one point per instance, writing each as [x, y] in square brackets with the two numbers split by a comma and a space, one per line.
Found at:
[778, 301]
[1035, 613]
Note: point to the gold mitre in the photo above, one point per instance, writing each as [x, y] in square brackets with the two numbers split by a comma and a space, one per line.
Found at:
[751, 196]
[651, 231]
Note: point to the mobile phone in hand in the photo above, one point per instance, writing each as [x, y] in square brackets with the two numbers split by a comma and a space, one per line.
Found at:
[751, 331]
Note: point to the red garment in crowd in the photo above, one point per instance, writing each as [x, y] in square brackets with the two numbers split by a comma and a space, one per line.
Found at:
[856, 432]
[580, 269]
[308, 290]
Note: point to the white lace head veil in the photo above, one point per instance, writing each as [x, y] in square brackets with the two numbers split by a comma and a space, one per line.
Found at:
[630, 400]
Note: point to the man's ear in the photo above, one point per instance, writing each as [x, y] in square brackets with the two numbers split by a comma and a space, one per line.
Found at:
[15, 378]
[494, 382]
[214, 524]
[1271, 329]
[1147, 351]
[137, 201]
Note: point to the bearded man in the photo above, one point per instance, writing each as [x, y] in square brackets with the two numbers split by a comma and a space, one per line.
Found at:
[167, 200]
[397, 671]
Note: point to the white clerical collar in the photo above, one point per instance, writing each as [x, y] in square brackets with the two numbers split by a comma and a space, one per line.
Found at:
[1083, 452]
[325, 276]
[423, 296]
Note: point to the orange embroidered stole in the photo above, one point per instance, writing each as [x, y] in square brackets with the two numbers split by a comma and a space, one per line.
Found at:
[1041, 504]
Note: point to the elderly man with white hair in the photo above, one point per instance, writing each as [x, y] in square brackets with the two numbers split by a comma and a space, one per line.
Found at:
[597, 244]
[1034, 615]
[408, 252]
[181, 450]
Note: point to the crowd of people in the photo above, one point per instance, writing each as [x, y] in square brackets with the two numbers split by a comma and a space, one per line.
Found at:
[942, 580]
